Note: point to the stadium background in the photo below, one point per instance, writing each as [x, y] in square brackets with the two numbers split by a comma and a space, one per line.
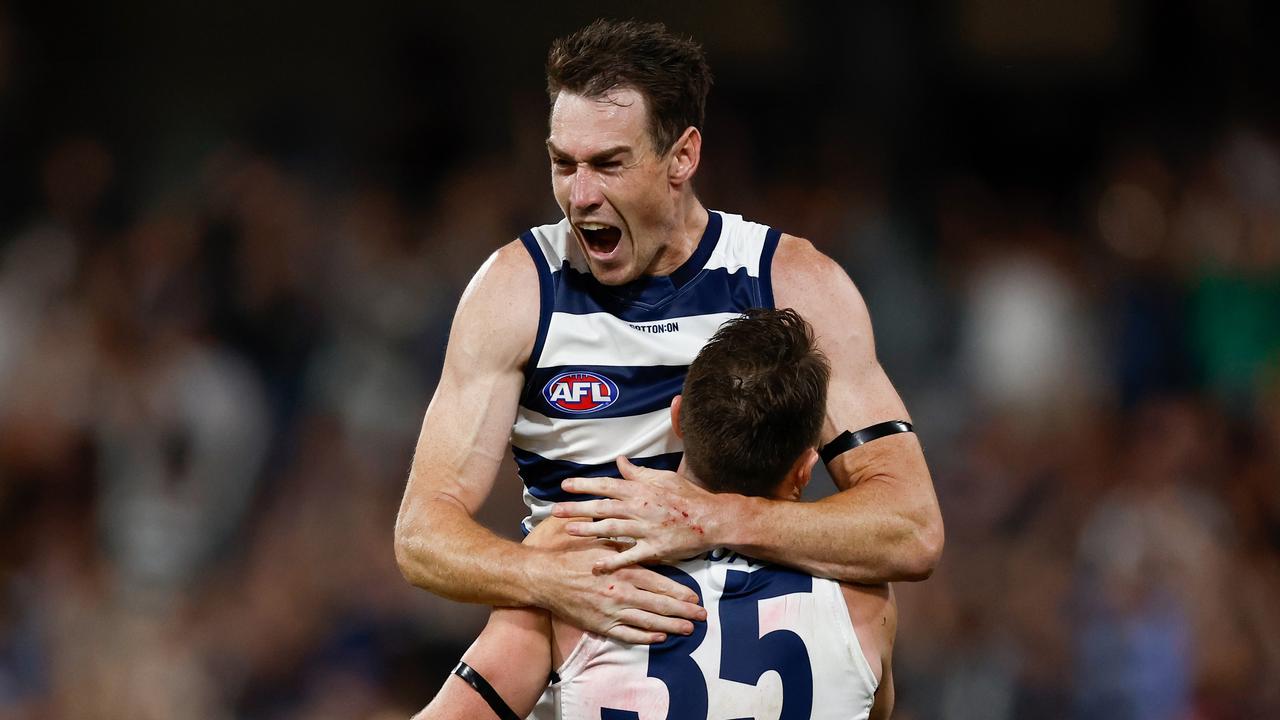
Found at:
[231, 238]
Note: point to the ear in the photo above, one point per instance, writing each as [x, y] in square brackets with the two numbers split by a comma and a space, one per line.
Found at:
[675, 416]
[800, 474]
[686, 153]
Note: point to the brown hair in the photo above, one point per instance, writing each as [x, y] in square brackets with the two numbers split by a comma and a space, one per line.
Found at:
[754, 399]
[670, 72]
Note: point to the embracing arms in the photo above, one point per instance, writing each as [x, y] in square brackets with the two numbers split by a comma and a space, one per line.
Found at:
[883, 525]
[440, 547]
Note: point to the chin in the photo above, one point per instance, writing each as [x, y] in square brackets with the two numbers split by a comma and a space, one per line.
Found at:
[612, 276]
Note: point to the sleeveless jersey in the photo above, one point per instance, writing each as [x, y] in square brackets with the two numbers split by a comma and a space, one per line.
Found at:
[607, 361]
[777, 643]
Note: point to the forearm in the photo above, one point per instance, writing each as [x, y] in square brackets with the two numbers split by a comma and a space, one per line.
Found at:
[870, 533]
[442, 549]
[512, 654]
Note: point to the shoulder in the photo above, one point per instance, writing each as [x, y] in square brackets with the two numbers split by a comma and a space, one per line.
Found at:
[806, 279]
[499, 308]
[801, 269]
[509, 271]
[869, 603]
[874, 615]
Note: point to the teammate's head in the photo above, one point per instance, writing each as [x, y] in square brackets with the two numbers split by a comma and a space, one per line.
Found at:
[628, 101]
[752, 407]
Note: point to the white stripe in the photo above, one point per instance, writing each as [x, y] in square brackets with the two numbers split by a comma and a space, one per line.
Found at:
[558, 244]
[539, 510]
[602, 339]
[595, 441]
[740, 244]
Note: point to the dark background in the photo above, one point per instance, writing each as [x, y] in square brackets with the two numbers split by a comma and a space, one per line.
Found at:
[231, 240]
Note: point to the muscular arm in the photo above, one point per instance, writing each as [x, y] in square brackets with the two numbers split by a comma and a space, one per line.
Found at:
[884, 524]
[439, 546]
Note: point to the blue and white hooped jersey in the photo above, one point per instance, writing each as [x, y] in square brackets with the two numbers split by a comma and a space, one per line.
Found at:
[608, 360]
[777, 643]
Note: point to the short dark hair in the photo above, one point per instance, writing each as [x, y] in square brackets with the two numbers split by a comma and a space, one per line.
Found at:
[754, 399]
[670, 72]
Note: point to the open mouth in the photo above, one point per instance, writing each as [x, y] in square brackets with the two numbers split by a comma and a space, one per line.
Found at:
[601, 239]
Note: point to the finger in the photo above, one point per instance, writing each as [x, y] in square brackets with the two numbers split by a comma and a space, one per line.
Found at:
[607, 528]
[635, 555]
[663, 595]
[653, 622]
[671, 608]
[654, 582]
[633, 473]
[634, 636]
[603, 486]
[629, 470]
[594, 509]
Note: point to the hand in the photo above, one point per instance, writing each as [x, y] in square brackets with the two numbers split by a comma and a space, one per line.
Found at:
[667, 516]
[634, 604]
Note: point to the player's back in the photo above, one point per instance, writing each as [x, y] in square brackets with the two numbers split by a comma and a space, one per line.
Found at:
[777, 643]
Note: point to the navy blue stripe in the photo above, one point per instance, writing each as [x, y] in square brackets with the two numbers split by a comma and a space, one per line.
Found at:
[706, 244]
[771, 239]
[713, 291]
[546, 297]
[641, 389]
[543, 476]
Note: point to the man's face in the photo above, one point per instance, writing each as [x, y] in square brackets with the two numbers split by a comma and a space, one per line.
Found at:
[612, 185]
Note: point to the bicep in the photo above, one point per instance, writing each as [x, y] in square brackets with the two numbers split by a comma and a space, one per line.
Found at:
[815, 286]
[468, 423]
[860, 393]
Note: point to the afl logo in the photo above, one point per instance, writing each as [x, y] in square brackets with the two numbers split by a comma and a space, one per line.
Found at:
[580, 392]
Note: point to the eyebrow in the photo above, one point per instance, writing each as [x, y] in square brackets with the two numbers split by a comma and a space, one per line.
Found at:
[601, 156]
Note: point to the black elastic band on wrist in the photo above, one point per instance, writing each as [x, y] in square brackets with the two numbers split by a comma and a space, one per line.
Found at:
[482, 686]
[847, 441]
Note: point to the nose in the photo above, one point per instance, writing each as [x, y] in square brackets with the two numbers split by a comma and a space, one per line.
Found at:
[584, 192]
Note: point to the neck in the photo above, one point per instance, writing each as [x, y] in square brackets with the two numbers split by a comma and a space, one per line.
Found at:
[687, 473]
[684, 234]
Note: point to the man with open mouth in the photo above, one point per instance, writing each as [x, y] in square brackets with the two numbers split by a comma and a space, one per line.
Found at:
[555, 350]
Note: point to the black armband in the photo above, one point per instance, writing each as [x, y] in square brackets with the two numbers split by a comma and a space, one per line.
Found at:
[847, 441]
[482, 686]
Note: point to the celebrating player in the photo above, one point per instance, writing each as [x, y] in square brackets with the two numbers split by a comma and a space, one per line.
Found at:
[571, 342]
[750, 415]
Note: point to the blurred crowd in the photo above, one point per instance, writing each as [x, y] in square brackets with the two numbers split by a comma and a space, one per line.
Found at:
[210, 392]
